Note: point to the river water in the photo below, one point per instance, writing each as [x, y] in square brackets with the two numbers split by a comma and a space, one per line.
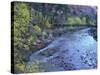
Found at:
[69, 52]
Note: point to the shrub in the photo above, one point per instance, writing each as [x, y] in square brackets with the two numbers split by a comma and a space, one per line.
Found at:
[33, 67]
[19, 68]
[37, 29]
[76, 20]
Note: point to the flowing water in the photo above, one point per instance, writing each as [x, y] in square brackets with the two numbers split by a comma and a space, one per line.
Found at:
[69, 52]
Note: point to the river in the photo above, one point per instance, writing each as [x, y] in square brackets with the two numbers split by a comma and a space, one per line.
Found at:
[74, 51]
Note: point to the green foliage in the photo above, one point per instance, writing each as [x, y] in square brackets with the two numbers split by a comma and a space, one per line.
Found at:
[30, 68]
[20, 68]
[21, 20]
[44, 21]
[37, 29]
[76, 20]
[47, 24]
[34, 67]
[92, 22]
[80, 21]
[23, 38]
[32, 39]
[84, 20]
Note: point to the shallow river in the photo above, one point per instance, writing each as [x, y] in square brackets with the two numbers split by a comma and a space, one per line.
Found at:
[69, 52]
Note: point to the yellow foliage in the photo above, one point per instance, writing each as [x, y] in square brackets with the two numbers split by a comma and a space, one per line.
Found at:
[37, 28]
[20, 67]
